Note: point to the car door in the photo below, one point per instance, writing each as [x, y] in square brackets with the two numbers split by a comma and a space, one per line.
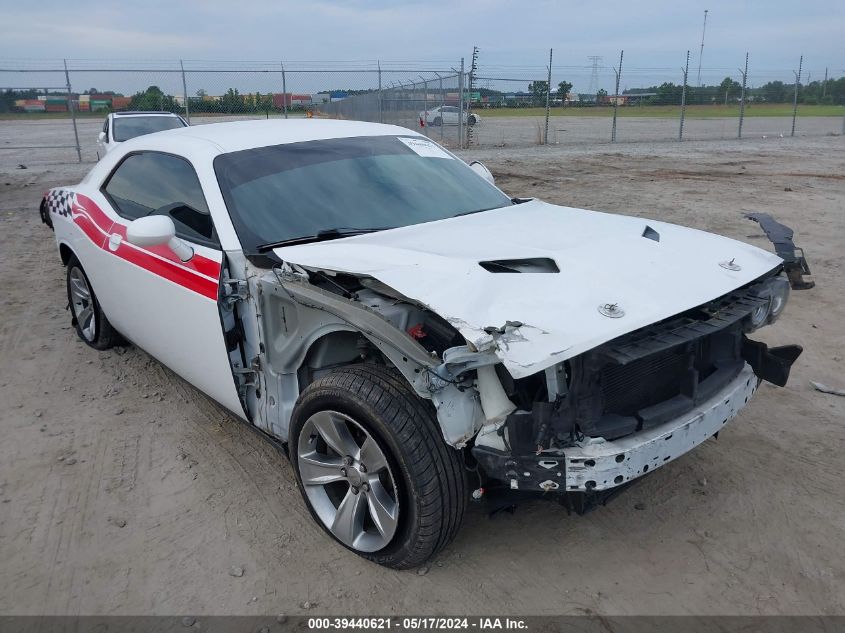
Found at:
[164, 305]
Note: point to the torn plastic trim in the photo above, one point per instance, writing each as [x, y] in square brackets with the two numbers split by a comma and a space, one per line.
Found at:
[794, 262]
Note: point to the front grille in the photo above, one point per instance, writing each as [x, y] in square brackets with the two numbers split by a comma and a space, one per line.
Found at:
[643, 382]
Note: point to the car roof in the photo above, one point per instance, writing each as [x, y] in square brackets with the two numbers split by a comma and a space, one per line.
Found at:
[235, 136]
[142, 113]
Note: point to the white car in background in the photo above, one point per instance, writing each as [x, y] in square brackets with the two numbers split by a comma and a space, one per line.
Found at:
[122, 126]
[408, 330]
[448, 115]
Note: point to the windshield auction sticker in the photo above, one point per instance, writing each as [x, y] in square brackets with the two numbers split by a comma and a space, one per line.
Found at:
[425, 148]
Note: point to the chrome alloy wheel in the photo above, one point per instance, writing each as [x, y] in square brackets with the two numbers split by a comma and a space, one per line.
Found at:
[348, 481]
[83, 304]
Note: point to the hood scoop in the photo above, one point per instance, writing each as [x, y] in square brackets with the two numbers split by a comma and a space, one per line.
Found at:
[650, 234]
[530, 265]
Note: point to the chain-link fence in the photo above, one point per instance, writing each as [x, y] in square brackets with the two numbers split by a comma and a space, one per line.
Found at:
[430, 104]
[54, 109]
[46, 122]
[620, 100]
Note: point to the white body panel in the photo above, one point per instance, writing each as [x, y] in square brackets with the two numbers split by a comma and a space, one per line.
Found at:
[603, 259]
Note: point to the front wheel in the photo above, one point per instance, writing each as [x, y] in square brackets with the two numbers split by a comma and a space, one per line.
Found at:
[373, 467]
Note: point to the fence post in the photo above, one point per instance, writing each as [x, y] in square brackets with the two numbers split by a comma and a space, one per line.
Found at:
[795, 97]
[548, 99]
[616, 97]
[72, 113]
[185, 93]
[380, 108]
[460, 107]
[442, 103]
[284, 92]
[742, 96]
[684, 100]
[425, 104]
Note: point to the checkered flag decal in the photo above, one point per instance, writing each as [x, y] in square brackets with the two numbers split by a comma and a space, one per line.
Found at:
[59, 201]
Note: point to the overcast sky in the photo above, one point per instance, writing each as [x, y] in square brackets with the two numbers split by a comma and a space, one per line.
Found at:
[514, 37]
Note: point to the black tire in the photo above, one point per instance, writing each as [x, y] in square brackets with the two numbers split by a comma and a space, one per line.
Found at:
[432, 490]
[100, 334]
[438, 121]
[44, 212]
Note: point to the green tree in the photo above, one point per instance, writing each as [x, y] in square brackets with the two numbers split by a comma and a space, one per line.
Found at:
[232, 101]
[563, 89]
[775, 92]
[538, 90]
[153, 98]
[729, 89]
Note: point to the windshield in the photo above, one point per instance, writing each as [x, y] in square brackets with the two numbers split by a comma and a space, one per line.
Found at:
[132, 126]
[290, 191]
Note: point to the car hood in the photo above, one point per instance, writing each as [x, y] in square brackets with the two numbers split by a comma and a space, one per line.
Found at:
[648, 270]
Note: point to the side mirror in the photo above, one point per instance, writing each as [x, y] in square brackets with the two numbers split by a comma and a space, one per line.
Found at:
[481, 169]
[155, 230]
[101, 137]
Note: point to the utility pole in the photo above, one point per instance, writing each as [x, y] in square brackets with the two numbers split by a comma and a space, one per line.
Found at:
[594, 75]
[548, 95]
[701, 52]
[685, 70]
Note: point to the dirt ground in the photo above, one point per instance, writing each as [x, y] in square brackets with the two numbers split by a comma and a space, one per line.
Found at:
[493, 132]
[125, 491]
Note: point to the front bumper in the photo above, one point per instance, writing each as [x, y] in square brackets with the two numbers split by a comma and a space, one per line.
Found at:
[597, 464]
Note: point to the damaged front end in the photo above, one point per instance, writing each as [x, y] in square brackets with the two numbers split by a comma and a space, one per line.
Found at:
[584, 425]
[609, 415]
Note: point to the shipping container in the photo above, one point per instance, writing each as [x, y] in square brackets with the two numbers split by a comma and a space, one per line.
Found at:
[56, 107]
[120, 103]
[85, 106]
[39, 107]
[84, 98]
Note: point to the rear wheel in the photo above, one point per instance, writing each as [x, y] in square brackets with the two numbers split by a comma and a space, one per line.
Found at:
[90, 322]
[373, 467]
[438, 121]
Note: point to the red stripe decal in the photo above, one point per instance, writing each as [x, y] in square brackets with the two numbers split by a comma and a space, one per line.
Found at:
[158, 260]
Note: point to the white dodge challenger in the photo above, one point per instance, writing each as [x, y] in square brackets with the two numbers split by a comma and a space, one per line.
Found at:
[413, 335]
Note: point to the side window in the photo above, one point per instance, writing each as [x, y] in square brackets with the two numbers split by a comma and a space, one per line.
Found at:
[106, 128]
[151, 183]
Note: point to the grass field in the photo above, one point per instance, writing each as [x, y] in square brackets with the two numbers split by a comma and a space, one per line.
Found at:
[663, 112]
[693, 111]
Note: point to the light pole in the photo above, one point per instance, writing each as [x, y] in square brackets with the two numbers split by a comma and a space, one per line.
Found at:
[701, 52]
[744, 74]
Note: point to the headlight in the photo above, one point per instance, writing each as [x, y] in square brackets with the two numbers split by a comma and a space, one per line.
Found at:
[780, 295]
[760, 315]
[774, 292]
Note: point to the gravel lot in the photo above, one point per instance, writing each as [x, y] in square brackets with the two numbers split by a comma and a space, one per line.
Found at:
[124, 491]
[519, 131]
